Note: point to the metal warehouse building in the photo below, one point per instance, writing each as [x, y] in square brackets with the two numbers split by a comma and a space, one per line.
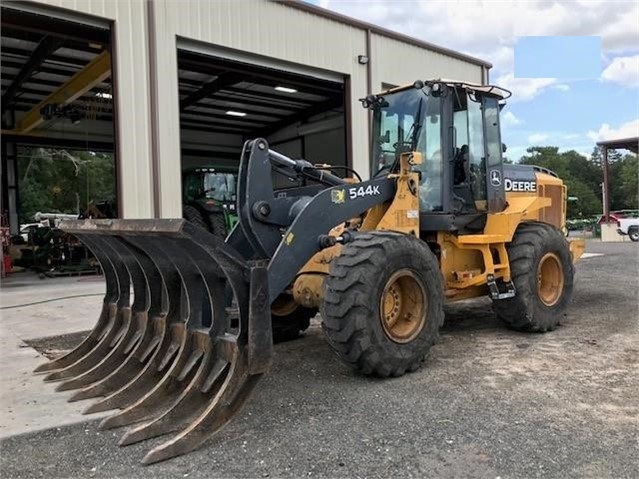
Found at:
[167, 84]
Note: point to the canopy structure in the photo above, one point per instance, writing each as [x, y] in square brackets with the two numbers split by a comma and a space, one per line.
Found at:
[631, 144]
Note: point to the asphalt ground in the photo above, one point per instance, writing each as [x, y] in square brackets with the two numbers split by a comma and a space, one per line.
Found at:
[489, 402]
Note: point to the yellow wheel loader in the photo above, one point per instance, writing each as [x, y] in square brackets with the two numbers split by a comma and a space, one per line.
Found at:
[443, 219]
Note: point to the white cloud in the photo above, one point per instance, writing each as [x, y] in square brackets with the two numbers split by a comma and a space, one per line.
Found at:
[562, 87]
[524, 89]
[454, 25]
[606, 132]
[571, 136]
[509, 120]
[537, 138]
[624, 71]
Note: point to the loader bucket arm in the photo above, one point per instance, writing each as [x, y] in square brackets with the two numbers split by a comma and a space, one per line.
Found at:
[264, 213]
[185, 354]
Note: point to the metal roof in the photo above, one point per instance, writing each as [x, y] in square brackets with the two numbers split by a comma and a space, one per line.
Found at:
[631, 144]
[39, 54]
[210, 87]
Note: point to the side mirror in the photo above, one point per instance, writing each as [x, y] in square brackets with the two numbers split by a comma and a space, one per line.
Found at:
[503, 148]
[385, 138]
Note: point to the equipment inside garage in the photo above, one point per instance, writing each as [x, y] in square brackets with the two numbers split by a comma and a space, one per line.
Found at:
[58, 157]
[224, 103]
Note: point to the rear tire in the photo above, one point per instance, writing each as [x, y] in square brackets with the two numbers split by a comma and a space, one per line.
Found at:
[633, 233]
[289, 319]
[383, 303]
[542, 271]
[192, 215]
[217, 225]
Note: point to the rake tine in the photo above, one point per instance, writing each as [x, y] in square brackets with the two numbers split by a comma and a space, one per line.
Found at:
[117, 326]
[135, 328]
[229, 400]
[104, 323]
[213, 368]
[150, 333]
[166, 342]
[184, 408]
[169, 388]
[222, 399]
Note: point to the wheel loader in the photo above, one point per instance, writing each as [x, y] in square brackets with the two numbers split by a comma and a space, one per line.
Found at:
[185, 331]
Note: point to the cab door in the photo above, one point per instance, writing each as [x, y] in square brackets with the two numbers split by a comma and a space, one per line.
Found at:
[493, 148]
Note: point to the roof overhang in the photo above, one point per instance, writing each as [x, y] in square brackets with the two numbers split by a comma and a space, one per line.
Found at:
[631, 144]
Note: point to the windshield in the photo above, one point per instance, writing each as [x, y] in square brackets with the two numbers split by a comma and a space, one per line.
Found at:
[410, 120]
[219, 186]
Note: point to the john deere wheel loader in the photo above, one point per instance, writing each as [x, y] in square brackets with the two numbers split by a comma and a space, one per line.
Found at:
[442, 220]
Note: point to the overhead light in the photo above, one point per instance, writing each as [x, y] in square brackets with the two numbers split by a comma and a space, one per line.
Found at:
[362, 59]
[103, 94]
[286, 89]
[235, 113]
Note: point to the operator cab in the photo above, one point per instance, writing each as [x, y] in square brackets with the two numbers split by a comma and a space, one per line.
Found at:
[455, 126]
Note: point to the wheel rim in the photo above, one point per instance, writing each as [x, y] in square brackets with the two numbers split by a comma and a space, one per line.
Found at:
[550, 279]
[403, 306]
[283, 306]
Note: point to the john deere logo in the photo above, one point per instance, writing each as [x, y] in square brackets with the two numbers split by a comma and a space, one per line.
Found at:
[338, 196]
[495, 177]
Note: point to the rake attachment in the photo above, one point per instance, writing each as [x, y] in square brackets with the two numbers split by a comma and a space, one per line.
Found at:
[185, 354]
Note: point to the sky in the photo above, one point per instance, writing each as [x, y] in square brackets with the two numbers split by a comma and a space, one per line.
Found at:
[569, 109]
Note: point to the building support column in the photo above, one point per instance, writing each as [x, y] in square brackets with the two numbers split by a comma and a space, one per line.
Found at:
[606, 189]
[131, 112]
[165, 113]
[10, 185]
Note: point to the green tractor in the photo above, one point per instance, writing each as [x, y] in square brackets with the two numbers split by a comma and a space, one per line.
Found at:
[209, 198]
[209, 202]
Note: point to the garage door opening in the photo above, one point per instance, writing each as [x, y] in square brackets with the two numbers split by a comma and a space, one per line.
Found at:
[223, 103]
[58, 141]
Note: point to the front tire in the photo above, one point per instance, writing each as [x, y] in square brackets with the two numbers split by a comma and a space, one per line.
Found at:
[542, 271]
[383, 303]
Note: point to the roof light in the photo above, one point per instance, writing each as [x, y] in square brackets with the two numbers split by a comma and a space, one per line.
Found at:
[235, 113]
[103, 94]
[286, 89]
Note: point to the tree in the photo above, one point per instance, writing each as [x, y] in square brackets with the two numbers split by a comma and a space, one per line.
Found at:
[62, 181]
[624, 183]
[583, 177]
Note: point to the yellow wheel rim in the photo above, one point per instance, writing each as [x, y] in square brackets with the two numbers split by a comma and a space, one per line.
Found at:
[550, 279]
[283, 305]
[403, 306]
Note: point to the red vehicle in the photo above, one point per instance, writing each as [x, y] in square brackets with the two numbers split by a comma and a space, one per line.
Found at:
[615, 216]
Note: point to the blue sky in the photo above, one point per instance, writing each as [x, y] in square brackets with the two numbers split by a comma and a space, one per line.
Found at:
[571, 113]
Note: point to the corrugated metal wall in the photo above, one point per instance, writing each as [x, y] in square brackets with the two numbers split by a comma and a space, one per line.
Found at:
[271, 32]
[135, 182]
[398, 63]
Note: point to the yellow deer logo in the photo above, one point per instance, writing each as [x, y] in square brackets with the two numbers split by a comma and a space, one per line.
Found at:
[338, 196]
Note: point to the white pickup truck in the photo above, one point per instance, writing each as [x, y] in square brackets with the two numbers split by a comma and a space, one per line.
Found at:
[630, 227]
